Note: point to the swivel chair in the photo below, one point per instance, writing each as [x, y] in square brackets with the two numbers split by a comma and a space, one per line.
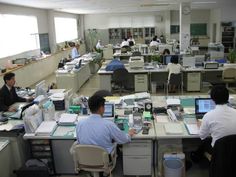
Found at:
[229, 76]
[120, 78]
[93, 158]
[175, 79]
[223, 157]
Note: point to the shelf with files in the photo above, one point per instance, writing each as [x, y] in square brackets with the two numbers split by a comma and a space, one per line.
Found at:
[228, 36]
[42, 149]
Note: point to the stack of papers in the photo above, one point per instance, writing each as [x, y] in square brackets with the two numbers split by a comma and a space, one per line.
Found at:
[173, 128]
[67, 119]
[46, 128]
[172, 101]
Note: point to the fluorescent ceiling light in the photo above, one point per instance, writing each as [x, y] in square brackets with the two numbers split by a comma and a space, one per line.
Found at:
[210, 2]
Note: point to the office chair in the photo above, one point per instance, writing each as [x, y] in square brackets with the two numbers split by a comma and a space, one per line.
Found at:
[175, 79]
[103, 93]
[136, 53]
[93, 158]
[229, 76]
[223, 157]
[120, 78]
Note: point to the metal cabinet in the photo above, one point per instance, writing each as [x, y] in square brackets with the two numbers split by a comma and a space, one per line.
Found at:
[140, 82]
[137, 157]
[193, 81]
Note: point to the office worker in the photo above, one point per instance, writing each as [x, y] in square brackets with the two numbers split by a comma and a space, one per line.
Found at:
[131, 41]
[125, 42]
[75, 51]
[174, 68]
[217, 123]
[97, 131]
[154, 42]
[98, 45]
[166, 52]
[8, 94]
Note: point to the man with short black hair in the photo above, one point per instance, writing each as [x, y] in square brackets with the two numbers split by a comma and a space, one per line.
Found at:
[97, 131]
[8, 94]
[217, 123]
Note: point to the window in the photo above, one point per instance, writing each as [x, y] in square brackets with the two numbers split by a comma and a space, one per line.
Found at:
[66, 29]
[17, 34]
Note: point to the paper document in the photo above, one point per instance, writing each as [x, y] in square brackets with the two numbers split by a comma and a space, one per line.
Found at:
[173, 101]
[192, 129]
[173, 128]
[67, 119]
[46, 128]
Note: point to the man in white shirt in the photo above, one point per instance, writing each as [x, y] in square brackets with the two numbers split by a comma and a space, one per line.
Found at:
[131, 41]
[125, 43]
[99, 46]
[217, 123]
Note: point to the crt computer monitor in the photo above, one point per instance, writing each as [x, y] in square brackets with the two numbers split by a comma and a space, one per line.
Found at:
[203, 105]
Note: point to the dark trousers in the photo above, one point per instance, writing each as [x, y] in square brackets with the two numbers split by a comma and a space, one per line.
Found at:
[205, 146]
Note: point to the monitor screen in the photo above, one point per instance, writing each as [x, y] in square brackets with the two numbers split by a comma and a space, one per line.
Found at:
[109, 110]
[203, 105]
[166, 59]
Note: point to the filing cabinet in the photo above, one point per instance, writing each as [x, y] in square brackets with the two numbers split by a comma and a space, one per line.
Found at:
[140, 83]
[137, 158]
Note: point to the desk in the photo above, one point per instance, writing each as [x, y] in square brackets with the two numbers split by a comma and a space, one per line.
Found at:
[160, 75]
[136, 155]
[74, 80]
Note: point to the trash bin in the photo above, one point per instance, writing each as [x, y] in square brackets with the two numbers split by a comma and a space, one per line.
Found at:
[154, 86]
[173, 168]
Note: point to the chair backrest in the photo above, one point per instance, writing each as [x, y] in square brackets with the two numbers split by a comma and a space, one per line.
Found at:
[120, 75]
[175, 79]
[229, 74]
[103, 93]
[223, 157]
[136, 53]
[90, 158]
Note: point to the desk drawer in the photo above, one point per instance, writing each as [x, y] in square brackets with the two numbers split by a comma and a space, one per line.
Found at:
[138, 148]
[137, 165]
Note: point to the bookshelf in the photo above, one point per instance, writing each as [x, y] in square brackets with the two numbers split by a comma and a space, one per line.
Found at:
[227, 35]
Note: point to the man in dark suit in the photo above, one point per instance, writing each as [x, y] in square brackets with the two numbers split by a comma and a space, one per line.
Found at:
[8, 94]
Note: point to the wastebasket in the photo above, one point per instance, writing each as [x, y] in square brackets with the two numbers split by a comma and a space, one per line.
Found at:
[173, 167]
[154, 86]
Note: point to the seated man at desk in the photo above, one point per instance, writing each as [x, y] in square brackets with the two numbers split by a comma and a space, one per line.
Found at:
[75, 50]
[97, 131]
[8, 94]
[218, 122]
[125, 42]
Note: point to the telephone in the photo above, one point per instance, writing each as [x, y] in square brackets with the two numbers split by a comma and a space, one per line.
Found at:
[171, 115]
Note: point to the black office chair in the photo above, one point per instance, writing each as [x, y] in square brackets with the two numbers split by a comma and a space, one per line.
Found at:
[223, 157]
[175, 79]
[136, 53]
[120, 79]
[103, 93]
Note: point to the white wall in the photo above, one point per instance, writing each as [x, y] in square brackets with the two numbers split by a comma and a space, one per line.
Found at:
[105, 21]
[228, 14]
[197, 16]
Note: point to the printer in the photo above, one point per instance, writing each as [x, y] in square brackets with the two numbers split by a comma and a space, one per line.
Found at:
[211, 65]
[136, 62]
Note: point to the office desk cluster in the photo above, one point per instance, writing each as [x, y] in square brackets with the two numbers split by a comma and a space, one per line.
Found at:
[141, 79]
[143, 156]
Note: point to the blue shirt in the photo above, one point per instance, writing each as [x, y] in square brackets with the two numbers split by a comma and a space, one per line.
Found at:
[97, 131]
[74, 53]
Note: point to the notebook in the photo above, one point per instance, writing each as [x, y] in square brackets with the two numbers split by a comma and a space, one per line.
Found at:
[202, 106]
